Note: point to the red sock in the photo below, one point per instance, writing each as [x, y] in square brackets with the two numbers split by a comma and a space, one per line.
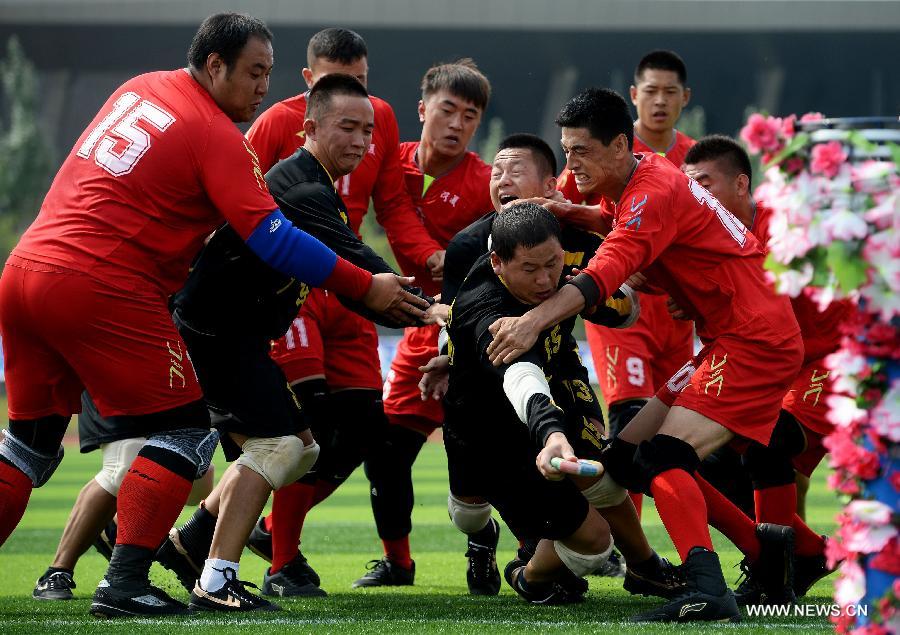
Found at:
[15, 490]
[776, 504]
[637, 499]
[324, 489]
[729, 519]
[397, 551]
[806, 541]
[150, 499]
[290, 504]
[267, 522]
[682, 510]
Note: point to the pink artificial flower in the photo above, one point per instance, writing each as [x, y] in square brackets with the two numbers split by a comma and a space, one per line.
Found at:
[896, 588]
[843, 411]
[812, 116]
[761, 134]
[869, 512]
[870, 629]
[851, 584]
[835, 553]
[862, 538]
[827, 158]
[844, 224]
[843, 484]
[894, 479]
[787, 126]
[794, 165]
[885, 418]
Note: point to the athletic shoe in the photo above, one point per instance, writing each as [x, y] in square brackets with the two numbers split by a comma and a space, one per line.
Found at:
[292, 580]
[233, 597]
[614, 567]
[260, 543]
[146, 601]
[56, 585]
[807, 571]
[106, 540]
[482, 576]
[705, 597]
[769, 580]
[178, 557]
[538, 593]
[659, 578]
[386, 573]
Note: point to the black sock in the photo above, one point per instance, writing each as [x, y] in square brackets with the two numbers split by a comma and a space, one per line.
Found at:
[51, 570]
[487, 536]
[646, 566]
[197, 533]
[129, 567]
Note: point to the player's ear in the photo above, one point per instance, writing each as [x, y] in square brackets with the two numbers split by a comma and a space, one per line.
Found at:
[686, 97]
[307, 77]
[495, 262]
[215, 65]
[742, 184]
[633, 93]
[309, 129]
[421, 110]
[621, 143]
[550, 186]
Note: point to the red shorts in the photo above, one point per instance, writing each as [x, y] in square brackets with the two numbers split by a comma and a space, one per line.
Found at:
[329, 339]
[402, 399]
[807, 461]
[806, 399]
[64, 331]
[634, 363]
[738, 384]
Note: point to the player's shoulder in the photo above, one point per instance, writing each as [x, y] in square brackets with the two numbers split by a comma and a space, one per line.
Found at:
[762, 218]
[300, 175]
[657, 173]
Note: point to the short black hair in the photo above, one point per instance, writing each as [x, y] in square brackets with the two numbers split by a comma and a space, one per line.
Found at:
[225, 34]
[522, 224]
[602, 111]
[543, 155]
[662, 60]
[461, 79]
[719, 147]
[330, 86]
[336, 45]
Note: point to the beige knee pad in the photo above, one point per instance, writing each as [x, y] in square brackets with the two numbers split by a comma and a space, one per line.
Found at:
[279, 460]
[605, 493]
[581, 564]
[468, 517]
[117, 458]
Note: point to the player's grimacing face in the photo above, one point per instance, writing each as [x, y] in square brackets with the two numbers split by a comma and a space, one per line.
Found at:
[659, 98]
[342, 136]
[515, 175]
[448, 122]
[322, 67]
[593, 165]
[239, 89]
[724, 186]
[532, 274]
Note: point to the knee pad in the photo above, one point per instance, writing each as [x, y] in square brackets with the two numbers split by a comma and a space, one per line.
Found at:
[605, 493]
[618, 461]
[768, 466]
[468, 517]
[37, 466]
[279, 460]
[117, 458]
[661, 454]
[392, 460]
[313, 397]
[582, 564]
[194, 445]
[621, 413]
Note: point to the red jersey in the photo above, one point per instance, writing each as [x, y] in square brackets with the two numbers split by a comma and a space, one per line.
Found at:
[446, 204]
[157, 170]
[820, 329]
[674, 231]
[278, 133]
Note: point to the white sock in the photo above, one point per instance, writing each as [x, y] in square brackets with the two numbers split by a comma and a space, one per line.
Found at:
[213, 576]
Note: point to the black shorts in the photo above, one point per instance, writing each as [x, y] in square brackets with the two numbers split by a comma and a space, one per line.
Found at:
[246, 392]
[500, 467]
[95, 430]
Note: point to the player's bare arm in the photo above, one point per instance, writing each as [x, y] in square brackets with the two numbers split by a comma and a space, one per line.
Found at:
[387, 295]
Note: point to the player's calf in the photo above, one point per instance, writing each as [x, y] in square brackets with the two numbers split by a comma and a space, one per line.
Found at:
[474, 520]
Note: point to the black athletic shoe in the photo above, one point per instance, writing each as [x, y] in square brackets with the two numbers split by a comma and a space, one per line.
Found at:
[260, 541]
[385, 573]
[658, 578]
[705, 597]
[769, 580]
[482, 576]
[148, 601]
[614, 567]
[54, 585]
[538, 593]
[177, 556]
[106, 540]
[292, 581]
[807, 571]
[231, 598]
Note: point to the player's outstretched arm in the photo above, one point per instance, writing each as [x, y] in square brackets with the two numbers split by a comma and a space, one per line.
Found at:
[590, 218]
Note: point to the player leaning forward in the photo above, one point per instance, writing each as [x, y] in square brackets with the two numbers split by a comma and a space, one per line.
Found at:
[83, 297]
[675, 232]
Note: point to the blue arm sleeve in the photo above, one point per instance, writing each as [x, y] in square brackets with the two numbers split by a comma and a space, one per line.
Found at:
[291, 250]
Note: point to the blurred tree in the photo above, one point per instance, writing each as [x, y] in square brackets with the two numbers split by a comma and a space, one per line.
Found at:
[26, 160]
[692, 122]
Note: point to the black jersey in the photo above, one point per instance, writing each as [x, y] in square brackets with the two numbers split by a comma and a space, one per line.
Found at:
[230, 290]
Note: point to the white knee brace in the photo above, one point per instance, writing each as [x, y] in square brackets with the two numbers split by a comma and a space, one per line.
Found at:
[117, 458]
[605, 493]
[468, 517]
[279, 460]
[581, 564]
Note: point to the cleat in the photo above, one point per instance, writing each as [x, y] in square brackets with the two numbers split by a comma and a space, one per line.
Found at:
[705, 597]
[807, 571]
[482, 576]
[769, 580]
[57, 585]
[146, 601]
[614, 567]
[106, 540]
[661, 579]
[260, 541]
[547, 593]
[233, 597]
[176, 556]
[292, 580]
[385, 573]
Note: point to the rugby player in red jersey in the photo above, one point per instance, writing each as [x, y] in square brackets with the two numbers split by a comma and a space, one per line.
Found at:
[84, 293]
[687, 244]
[450, 187]
[330, 353]
[632, 364]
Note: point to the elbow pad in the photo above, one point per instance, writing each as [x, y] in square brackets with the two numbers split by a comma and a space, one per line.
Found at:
[528, 392]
